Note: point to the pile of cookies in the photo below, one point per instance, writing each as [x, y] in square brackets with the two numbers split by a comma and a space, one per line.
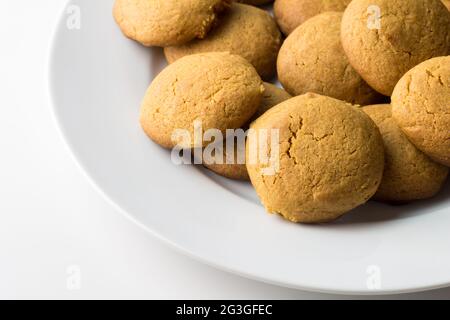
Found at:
[365, 109]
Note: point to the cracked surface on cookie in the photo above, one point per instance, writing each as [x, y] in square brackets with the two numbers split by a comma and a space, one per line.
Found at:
[421, 107]
[409, 174]
[245, 30]
[311, 63]
[292, 13]
[167, 22]
[331, 159]
[411, 32]
[220, 89]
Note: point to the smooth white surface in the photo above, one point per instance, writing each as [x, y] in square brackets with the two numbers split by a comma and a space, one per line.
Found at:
[51, 218]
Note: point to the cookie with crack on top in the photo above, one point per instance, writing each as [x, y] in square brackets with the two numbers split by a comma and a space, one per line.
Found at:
[309, 63]
[168, 22]
[221, 90]
[245, 30]
[237, 170]
[421, 107]
[331, 158]
[383, 39]
[289, 14]
[409, 174]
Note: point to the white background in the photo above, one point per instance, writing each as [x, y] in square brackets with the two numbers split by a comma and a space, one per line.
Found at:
[52, 219]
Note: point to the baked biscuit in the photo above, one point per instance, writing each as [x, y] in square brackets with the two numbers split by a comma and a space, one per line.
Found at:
[383, 39]
[247, 31]
[409, 174]
[330, 158]
[237, 170]
[168, 22]
[215, 90]
[292, 13]
[421, 107]
[311, 63]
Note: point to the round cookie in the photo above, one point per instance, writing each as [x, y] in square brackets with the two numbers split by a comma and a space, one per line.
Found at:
[238, 171]
[383, 39]
[255, 2]
[408, 173]
[421, 107]
[221, 90]
[330, 158]
[247, 31]
[292, 13]
[311, 63]
[168, 22]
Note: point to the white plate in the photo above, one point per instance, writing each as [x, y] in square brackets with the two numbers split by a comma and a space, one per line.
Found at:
[98, 78]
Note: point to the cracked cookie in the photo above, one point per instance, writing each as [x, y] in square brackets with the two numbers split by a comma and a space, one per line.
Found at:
[245, 30]
[330, 158]
[383, 39]
[409, 174]
[289, 14]
[311, 63]
[420, 105]
[237, 170]
[169, 22]
[221, 90]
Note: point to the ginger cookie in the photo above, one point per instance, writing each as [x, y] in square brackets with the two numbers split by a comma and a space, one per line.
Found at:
[421, 107]
[247, 31]
[215, 90]
[311, 63]
[409, 174]
[289, 14]
[237, 169]
[330, 158]
[168, 22]
[383, 39]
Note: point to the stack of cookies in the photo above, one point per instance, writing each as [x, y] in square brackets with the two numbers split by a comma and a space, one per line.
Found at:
[364, 112]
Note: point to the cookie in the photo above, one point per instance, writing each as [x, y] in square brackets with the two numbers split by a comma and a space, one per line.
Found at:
[292, 13]
[409, 174]
[255, 2]
[383, 39]
[311, 63]
[220, 90]
[237, 169]
[421, 107]
[245, 30]
[168, 22]
[330, 158]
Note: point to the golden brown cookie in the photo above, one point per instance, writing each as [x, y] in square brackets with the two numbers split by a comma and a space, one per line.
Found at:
[383, 39]
[255, 2]
[237, 169]
[292, 13]
[169, 22]
[221, 90]
[312, 59]
[409, 174]
[331, 158]
[421, 107]
[245, 30]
